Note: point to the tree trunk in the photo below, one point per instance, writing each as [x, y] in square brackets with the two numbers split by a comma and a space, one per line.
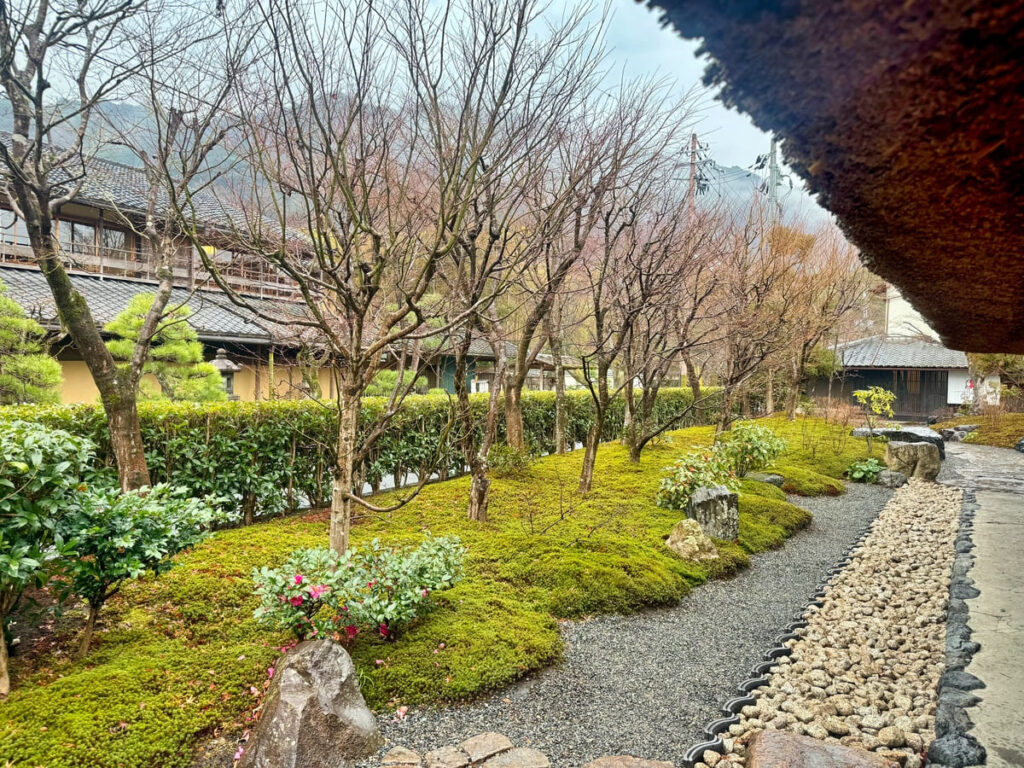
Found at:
[248, 508]
[514, 416]
[88, 630]
[630, 433]
[117, 393]
[341, 497]
[5, 675]
[726, 414]
[590, 453]
[479, 489]
[560, 415]
[769, 398]
[692, 377]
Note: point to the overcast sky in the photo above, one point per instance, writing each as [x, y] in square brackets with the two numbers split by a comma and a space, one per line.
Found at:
[642, 46]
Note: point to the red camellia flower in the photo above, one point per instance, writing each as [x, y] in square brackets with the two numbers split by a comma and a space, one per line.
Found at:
[351, 630]
[296, 601]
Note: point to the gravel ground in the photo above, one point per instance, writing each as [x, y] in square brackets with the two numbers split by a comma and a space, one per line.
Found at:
[646, 685]
[865, 670]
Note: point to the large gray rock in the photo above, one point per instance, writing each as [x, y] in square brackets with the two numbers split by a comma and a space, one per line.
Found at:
[1020, 445]
[916, 435]
[717, 510]
[919, 460]
[864, 432]
[966, 427]
[689, 541]
[314, 714]
[891, 479]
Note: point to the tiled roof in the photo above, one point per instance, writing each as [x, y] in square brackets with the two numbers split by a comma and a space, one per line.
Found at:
[900, 352]
[213, 317]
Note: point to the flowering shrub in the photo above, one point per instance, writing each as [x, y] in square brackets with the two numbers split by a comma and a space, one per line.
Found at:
[749, 446]
[701, 468]
[320, 593]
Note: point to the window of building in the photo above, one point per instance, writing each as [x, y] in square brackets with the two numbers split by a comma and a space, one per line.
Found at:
[75, 237]
[12, 229]
[117, 244]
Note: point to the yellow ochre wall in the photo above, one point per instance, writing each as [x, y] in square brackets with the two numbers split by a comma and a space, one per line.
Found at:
[78, 385]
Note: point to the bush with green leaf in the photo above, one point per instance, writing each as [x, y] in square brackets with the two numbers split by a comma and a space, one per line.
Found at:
[865, 471]
[318, 593]
[27, 373]
[119, 536]
[702, 468]
[875, 402]
[749, 446]
[175, 355]
[506, 461]
[42, 474]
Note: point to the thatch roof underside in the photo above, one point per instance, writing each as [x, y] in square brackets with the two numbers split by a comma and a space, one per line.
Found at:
[907, 120]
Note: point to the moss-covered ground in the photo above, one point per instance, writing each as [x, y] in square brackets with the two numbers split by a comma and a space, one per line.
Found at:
[180, 657]
[1001, 429]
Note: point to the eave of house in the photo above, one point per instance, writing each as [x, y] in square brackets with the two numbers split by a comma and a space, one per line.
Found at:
[905, 119]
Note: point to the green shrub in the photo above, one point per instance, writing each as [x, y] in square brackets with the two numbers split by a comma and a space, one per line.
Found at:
[320, 593]
[118, 537]
[264, 457]
[696, 469]
[749, 446]
[865, 471]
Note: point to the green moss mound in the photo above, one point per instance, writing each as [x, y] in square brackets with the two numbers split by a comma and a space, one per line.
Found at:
[807, 482]
[1003, 430]
[180, 656]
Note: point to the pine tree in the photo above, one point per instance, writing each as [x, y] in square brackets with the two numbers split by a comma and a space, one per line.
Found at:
[175, 357]
[27, 373]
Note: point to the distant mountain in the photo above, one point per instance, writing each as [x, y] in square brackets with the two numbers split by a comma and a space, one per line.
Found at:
[737, 186]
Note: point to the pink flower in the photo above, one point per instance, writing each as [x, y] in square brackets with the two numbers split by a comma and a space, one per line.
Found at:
[270, 672]
[254, 690]
[298, 578]
[238, 754]
[424, 592]
[351, 630]
[379, 662]
[371, 584]
[441, 645]
[316, 592]
[296, 601]
[401, 712]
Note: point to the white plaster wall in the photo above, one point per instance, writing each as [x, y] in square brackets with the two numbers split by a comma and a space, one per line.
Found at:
[901, 319]
[959, 392]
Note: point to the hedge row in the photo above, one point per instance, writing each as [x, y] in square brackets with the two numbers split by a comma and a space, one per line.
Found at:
[276, 455]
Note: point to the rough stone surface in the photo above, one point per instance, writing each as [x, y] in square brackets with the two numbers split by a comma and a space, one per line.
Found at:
[314, 713]
[717, 510]
[446, 757]
[966, 427]
[689, 541]
[520, 757]
[1020, 445]
[484, 745]
[920, 460]
[916, 435]
[892, 479]
[864, 432]
[625, 761]
[774, 749]
[767, 477]
[401, 757]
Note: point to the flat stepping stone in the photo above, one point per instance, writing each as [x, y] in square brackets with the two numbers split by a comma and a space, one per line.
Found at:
[447, 757]
[401, 757]
[484, 745]
[521, 757]
[626, 761]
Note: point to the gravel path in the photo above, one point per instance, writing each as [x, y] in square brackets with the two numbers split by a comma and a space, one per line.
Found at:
[646, 685]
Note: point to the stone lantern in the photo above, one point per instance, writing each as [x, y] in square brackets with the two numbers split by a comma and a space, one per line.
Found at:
[228, 369]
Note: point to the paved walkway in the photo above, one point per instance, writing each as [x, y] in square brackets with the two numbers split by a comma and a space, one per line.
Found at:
[997, 614]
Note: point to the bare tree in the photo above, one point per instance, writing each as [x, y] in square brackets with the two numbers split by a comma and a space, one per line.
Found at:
[69, 44]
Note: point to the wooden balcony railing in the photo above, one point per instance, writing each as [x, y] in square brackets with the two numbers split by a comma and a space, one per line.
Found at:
[246, 275]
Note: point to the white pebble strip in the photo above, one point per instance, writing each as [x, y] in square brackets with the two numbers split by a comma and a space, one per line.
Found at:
[865, 670]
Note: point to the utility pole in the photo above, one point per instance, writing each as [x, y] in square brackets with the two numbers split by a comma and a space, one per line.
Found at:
[691, 194]
[774, 177]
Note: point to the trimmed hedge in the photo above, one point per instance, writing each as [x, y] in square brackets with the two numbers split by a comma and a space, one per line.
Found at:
[276, 455]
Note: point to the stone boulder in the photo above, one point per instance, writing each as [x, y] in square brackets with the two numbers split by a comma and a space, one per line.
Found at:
[864, 432]
[314, 714]
[966, 427]
[689, 541]
[717, 510]
[916, 435]
[767, 477]
[778, 749]
[625, 761]
[891, 479]
[1020, 445]
[919, 460]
